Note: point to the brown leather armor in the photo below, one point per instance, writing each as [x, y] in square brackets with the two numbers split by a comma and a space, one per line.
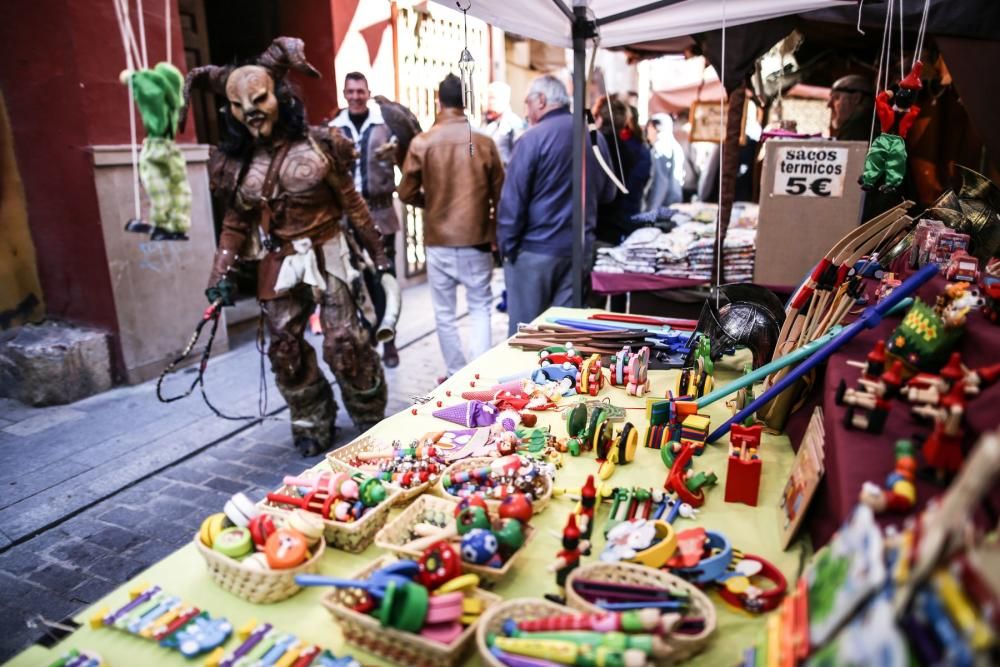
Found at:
[289, 191]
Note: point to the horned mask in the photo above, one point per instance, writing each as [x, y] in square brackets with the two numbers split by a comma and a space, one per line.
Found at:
[249, 89]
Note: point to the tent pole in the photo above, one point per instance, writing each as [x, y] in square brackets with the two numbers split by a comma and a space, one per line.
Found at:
[579, 138]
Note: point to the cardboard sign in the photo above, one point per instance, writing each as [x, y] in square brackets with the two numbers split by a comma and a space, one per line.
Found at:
[801, 171]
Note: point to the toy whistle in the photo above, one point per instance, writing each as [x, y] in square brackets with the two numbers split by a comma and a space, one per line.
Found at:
[647, 619]
[514, 660]
[569, 653]
[618, 642]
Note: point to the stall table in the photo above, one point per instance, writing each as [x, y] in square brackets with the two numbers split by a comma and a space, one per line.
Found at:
[755, 530]
[854, 457]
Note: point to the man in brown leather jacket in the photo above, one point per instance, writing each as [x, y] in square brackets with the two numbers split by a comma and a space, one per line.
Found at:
[287, 186]
[456, 175]
[374, 171]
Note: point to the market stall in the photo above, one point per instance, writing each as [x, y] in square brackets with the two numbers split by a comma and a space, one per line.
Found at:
[754, 530]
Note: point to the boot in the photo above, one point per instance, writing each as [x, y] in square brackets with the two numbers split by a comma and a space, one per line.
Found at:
[390, 355]
[137, 226]
[313, 412]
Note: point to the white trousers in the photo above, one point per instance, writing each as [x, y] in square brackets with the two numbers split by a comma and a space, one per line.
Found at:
[446, 269]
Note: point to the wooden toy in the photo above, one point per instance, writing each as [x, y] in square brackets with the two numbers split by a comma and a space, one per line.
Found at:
[559, 354]
[585, 512]
[869, 407]
[942, 450]
[591, 377]
[739, 591]
[569, 557]
[630, 370]
[900, 493]
[694, 430]
[744, 465]
[77, 658]
[189, 631]
[688, 486]
[263, 644]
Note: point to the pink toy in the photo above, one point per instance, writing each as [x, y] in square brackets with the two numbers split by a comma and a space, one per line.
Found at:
[631, 371]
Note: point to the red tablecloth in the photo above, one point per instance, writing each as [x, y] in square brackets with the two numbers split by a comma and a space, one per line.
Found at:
[853, 457]
[620, 283]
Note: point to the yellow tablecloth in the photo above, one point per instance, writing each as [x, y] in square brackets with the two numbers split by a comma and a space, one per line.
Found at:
[755, 530]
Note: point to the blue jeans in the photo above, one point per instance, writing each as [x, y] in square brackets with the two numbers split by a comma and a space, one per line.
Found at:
[446, 269]
[536, 282]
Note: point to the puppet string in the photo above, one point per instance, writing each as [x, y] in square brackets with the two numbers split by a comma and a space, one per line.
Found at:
[921, 32]
[881, 58]
[122, 15]
[142, 33]
[167, 19]
[722, 162]
[902, 65]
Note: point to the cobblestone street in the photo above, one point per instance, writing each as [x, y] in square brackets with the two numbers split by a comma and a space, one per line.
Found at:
[97, 491]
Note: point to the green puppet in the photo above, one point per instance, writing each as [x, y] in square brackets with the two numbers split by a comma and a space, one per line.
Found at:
[162, 169]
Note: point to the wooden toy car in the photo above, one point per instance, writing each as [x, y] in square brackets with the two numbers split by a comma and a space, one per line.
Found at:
[963, 267]
[591, 378]
[558, 354]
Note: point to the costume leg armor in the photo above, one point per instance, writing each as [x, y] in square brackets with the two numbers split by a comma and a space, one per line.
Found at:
[348, 350]
[293, 360]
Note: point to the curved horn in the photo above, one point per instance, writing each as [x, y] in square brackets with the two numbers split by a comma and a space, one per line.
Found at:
[208, 77]
[286, 53]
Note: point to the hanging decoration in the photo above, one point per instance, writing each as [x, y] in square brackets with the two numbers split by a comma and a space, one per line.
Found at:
[160, 166]
[466, 68]
[373, 38]
[885, 164]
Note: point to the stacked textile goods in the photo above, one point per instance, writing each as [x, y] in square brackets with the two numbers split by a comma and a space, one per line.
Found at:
[686, 251]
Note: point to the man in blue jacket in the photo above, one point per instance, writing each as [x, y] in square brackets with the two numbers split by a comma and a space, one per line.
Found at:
[535, 220]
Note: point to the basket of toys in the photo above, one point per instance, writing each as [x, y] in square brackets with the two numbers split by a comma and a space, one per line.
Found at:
[256, 557]
[496, 478]
[352, 506]
[429, 519]
[412, 469]
[386, 610]
[696, 625]
[526, 628]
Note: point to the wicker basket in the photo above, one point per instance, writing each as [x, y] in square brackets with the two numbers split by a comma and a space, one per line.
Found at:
[341, 457]
[397, 533]
[354, 536]
[520, 609]
[538, 505]
[684, 645]
[401, 648]
[255, 585]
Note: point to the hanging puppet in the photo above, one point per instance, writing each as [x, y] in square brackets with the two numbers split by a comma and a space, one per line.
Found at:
[885, 164]
[286, 187]
[162, 170]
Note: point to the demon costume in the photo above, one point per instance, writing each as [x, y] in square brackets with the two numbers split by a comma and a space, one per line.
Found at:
[287, 186]
[886, 159]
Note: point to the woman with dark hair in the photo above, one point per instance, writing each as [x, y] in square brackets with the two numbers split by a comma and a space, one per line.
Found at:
[631, 159]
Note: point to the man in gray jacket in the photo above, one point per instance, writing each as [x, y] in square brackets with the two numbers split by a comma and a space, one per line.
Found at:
[374, 175]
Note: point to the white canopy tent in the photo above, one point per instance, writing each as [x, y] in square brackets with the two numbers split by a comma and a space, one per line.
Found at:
[611, 23]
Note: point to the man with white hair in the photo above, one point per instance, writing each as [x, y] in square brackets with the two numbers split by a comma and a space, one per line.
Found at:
[502, 124]
[535, 220]
[851, 103]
